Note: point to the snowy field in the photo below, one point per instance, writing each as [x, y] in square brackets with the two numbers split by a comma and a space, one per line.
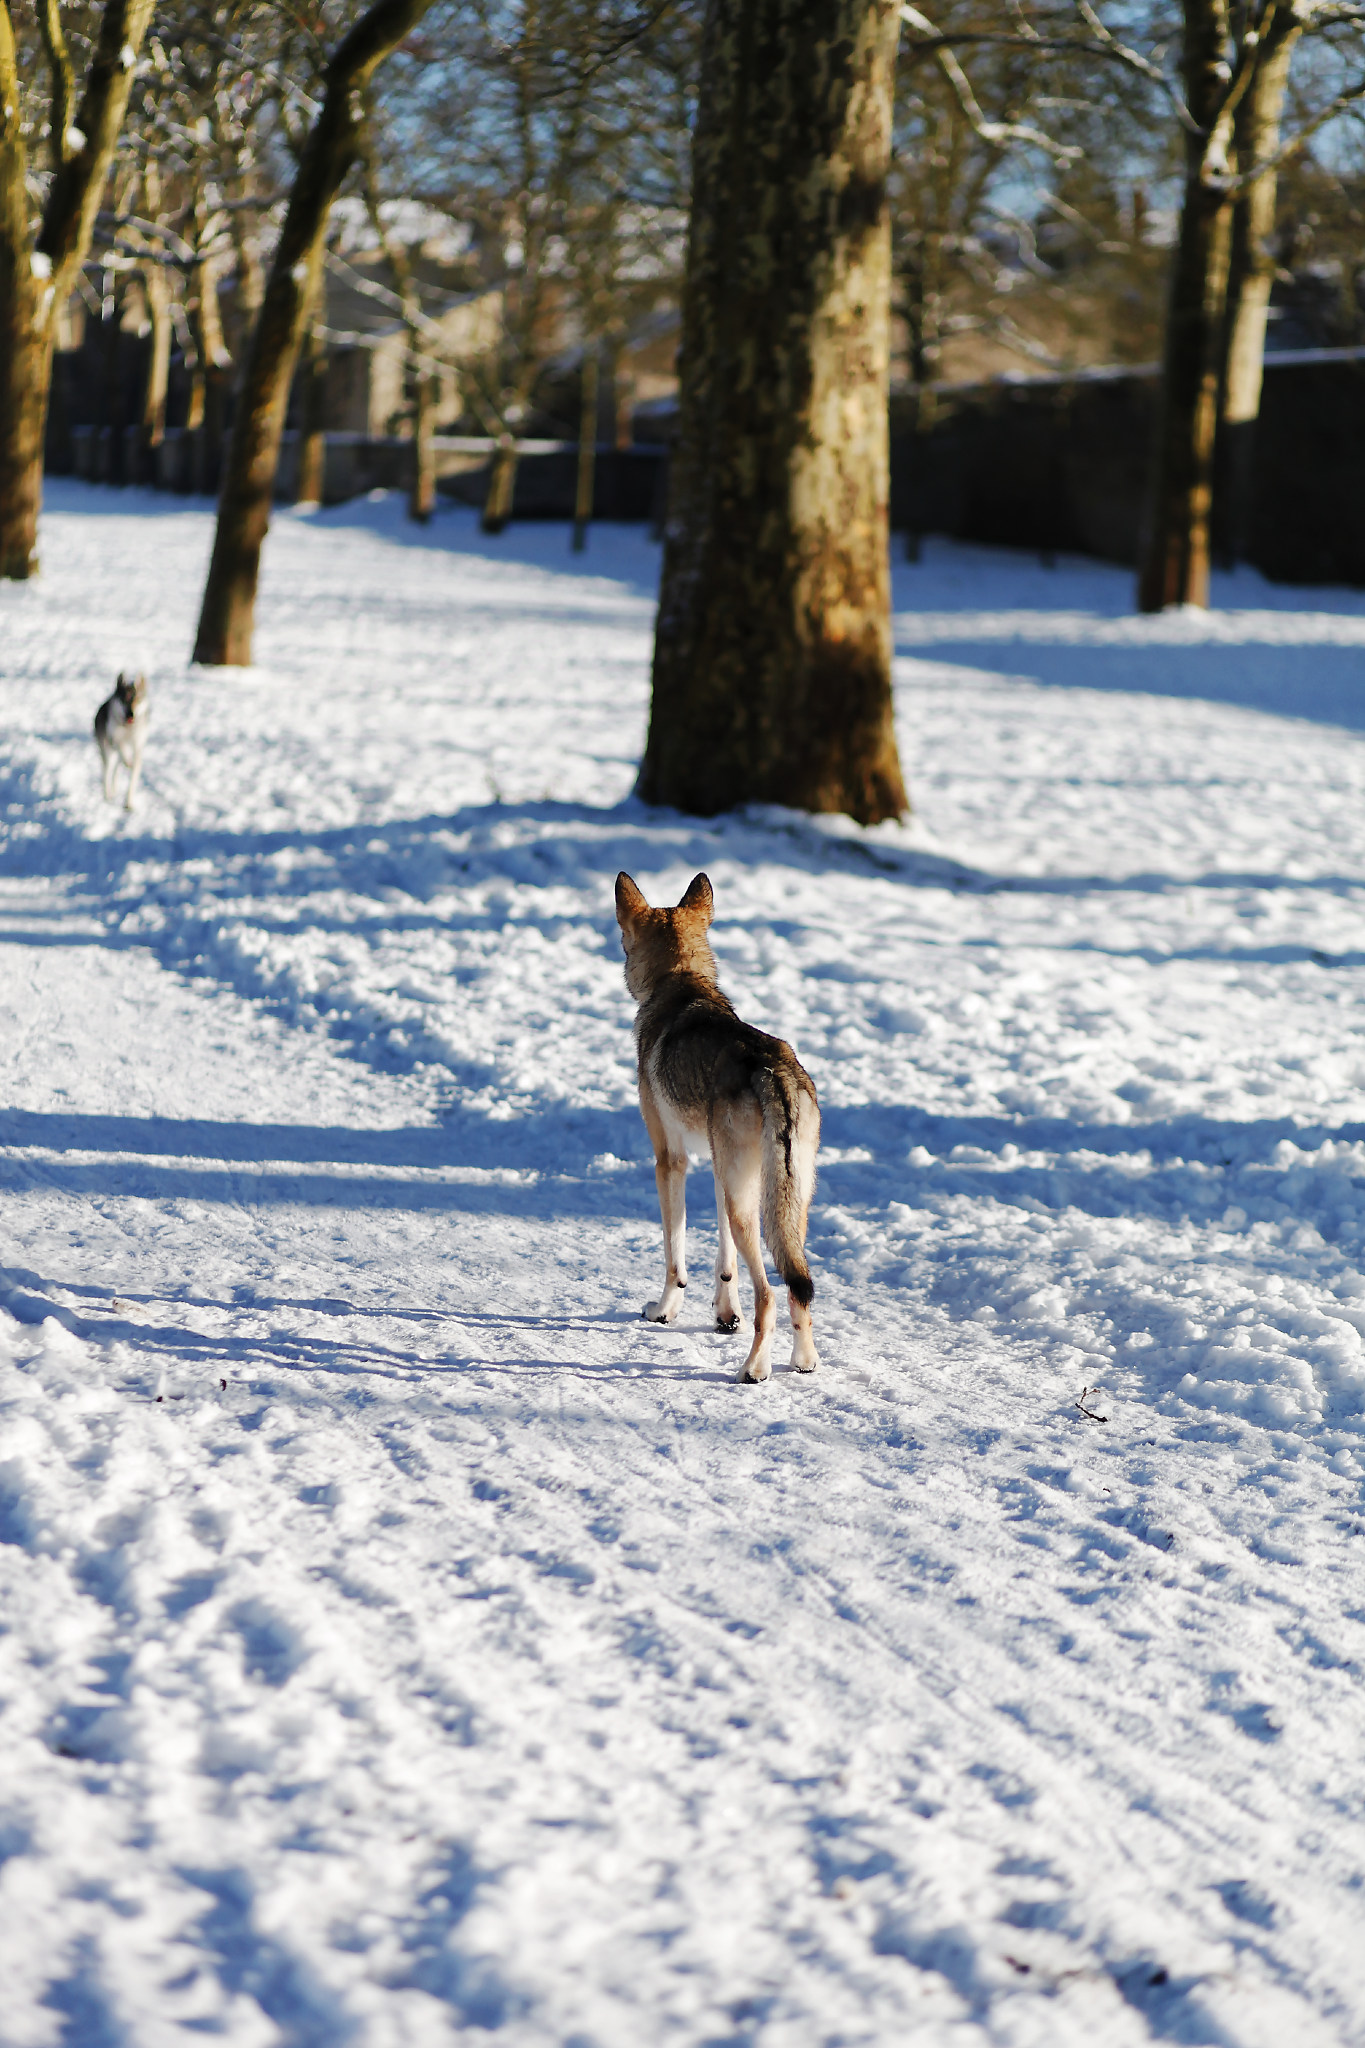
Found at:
[400, 1641]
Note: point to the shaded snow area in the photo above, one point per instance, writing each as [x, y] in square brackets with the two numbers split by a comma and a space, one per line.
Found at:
[403, 1642]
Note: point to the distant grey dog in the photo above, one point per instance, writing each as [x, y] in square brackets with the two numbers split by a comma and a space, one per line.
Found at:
[121, 734]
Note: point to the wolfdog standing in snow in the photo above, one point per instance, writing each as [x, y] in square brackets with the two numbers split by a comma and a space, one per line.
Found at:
[711, 1082]
[121, 734]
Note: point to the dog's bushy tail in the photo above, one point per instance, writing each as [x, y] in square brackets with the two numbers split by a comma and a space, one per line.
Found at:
[791, 1138]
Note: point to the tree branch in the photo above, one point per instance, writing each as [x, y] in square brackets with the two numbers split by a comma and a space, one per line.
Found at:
[64, 142]
[998, 133]
[69, 216]
[1106, 46]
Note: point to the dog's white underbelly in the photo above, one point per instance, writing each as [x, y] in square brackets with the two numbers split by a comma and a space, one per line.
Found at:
[683, 1136]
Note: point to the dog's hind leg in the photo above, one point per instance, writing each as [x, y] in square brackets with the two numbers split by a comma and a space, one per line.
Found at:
[736, 1151]
[804, 1357]
[727, 1270]
[744, 1223]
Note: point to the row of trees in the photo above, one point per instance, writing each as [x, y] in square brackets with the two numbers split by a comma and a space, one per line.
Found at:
[845, 155]
[549, 136]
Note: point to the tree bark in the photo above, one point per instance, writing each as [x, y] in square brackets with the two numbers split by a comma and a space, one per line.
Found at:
[228, 613]
[422, 497]
[208, 397]
[158, 290]
[502, 485]
[587, 450]
[1251, 275]
[36, 279]
[1175, 566]
[311, 481]
[772, 653]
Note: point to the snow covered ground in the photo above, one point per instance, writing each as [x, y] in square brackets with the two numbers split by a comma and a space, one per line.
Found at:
[399, 1640]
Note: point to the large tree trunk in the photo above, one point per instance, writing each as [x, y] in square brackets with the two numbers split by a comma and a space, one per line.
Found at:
[228, 613]
[37, 279]
[772, 652]
[1251, 275]
[1175, 566]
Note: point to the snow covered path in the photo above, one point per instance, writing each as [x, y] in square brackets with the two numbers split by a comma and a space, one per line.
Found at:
[398, 1640]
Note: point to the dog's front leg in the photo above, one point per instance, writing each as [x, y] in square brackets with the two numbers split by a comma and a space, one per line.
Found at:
[109, 761]
[134, 770]
[670, 1174]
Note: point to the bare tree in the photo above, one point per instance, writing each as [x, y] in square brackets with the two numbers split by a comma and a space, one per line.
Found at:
[421, 371]
[228, 613]
[42, 250]
[1225, 100]
[557, 132]
[1256, 132]
[772, 651]
[1010, 236]
[1233, 66]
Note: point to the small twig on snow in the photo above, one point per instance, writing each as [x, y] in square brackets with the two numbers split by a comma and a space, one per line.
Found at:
[1089, 1413]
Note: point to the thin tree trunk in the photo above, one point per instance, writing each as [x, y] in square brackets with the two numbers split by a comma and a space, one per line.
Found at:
[502, 485]
[228, 612]
[111, 434]
[157, 287]
[310, 484]
[25, 340]
[924, 310]
[1251, 275]
[772, 652]
[37, 279]
[25, 380]
[623, 398]
[1175, 566]
[211, 379]
[422, 492]
[587, 450]
[246, 301]
[422, 498]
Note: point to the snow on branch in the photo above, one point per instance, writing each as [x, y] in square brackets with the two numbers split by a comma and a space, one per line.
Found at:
[1000, 134]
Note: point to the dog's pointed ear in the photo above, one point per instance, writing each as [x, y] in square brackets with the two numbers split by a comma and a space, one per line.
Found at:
[122, 679]
[700, 898]
[630, 904]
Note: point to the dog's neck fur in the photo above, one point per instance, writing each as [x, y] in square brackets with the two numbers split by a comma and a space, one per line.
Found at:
[675, 976]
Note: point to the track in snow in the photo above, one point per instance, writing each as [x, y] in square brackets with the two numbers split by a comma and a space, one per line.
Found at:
[478, 1659]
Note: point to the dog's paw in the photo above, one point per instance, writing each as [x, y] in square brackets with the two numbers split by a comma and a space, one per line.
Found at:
[806, 1363]
[727, 1325]
[655, 1312]
[754, 1371]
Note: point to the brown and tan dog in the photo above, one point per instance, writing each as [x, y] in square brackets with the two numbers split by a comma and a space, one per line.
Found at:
[711, 1083]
